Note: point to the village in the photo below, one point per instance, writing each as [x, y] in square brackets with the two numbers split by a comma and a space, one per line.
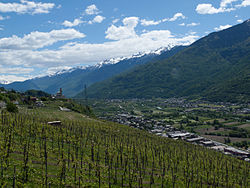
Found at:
[233, 108]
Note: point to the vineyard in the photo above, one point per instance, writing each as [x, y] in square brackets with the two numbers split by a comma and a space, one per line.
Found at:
[84, 152]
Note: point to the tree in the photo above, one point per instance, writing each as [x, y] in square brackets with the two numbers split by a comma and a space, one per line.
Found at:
[11, 107]
[216, 122]
[227, 140]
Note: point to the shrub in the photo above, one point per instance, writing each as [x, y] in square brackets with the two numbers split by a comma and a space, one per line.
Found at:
[11, 107]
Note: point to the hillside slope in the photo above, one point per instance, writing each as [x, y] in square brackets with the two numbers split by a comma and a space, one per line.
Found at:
[85, 152]
[216, 67]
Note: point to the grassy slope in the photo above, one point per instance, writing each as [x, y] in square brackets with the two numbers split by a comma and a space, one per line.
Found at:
[88, 152]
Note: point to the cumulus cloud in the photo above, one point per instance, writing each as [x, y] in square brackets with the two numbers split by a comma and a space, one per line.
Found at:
[239, 21]
[97, 19]
[115, 21]
[244, 3]
[225, 3]
[18, 73]
[123, 32]
[91, 9]
[149, 22]
[4, 18]
[76, 22]
[209, 9]
[13, 78]
[15, 70]
[176, 16]
[36, 39]
[221, 27]
[73, 54]
[53, 70]
[78, 53]
[193, 32]
[190, 24]
[225, 6]
[26, 7]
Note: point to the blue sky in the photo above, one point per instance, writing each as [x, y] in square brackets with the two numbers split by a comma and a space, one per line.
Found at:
[40, 37]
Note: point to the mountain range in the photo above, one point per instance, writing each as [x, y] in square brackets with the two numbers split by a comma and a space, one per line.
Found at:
[216, 67]
[72, 81]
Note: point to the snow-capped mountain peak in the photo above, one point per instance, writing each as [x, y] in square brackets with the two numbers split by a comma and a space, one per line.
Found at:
[4, 82]
[158, 51]
[113, 61]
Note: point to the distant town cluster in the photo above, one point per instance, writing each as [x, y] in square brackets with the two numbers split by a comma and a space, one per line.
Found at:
[161, 129]
[197, 122]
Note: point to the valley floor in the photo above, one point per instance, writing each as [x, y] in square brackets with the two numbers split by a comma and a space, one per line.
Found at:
[219, 123]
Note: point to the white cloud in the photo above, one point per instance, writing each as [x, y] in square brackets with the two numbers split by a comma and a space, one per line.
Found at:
[244, 3]
[123, 32]
[13, 78]
[149, 22]
[176, 16]
[53, 70]
[25, 6]
[225, 3]
[4, 18]
[225, 6]
[192, 24]
[91, 9]
[36, 39]
[221, 27]
[15, 70]
[130, 21]
[239, 21]
[115, 21]
[193, 32]
[73, 54]
[209, 9]
[9, 74]
[97, 19]
[76, 22]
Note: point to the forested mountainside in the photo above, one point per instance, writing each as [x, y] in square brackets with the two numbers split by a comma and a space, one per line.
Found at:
[216, 67]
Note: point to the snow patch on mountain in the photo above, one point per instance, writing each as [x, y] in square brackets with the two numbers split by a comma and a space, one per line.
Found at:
[4, 82]
[141, 54]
